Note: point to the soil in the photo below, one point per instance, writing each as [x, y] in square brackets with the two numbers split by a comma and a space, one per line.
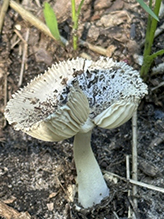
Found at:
[39, 178]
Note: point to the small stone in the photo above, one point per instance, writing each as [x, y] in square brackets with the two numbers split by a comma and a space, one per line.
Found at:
[101, 4]
[93, 32]
[148, 168]
[42, 55]
[50, 206]
[114, 19]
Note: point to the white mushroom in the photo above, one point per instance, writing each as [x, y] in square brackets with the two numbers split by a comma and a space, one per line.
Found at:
[70, 99]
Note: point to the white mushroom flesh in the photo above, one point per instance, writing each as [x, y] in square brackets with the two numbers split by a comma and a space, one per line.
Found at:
[91, 184]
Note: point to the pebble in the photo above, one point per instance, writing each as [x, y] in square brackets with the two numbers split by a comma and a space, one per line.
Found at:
[101, 4]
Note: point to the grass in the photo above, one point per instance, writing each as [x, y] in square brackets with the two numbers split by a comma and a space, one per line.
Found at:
[148, 57]
[75, 20]
[52, 23]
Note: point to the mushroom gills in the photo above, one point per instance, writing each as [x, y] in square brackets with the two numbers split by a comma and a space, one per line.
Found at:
[117, 114]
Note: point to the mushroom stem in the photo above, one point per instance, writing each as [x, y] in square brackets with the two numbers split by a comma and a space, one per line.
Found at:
[92, 187]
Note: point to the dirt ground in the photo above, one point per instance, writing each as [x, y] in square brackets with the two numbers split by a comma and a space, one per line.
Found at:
[39, 177]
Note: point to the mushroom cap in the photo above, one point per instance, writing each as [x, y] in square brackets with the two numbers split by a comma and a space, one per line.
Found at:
[76, 95]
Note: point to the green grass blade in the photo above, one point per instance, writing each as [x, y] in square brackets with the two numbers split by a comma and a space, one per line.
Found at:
[147, 9]
[51, 20]
[79, 8]
[158, 53]
[73, 11]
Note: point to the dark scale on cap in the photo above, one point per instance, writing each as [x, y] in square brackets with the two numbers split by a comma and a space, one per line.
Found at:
[77, 73]
[64, 81]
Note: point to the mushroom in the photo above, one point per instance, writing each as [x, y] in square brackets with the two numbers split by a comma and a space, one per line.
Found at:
[70, 99]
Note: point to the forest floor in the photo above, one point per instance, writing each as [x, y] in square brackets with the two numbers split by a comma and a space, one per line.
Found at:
[37, 179]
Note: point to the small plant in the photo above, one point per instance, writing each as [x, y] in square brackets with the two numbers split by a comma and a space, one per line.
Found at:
[75, 19]
[148, 58]
[147, 9]
[52, 23]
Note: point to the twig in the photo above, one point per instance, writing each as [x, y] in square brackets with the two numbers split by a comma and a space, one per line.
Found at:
[158, 86]
[129, 192]
[10, 213]
[23, 57]
[134, 182]
[148, 186]
[15, 43]
[66, 193]
[134, 157]
[3, 12]
[116, 216]
[5, 95]
[94, 48]
[20, 36]
[135, 213]
[38, 3]
[134, 149]
[127, 167]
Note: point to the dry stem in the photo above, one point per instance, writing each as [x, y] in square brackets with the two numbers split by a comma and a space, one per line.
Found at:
[128, 177]
[3, 12]
[134, 182]
[134, 157]
[10, 213]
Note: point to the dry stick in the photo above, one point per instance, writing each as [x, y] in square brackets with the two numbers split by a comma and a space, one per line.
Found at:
[38, 3]
[20, 36]
[5, 95]
[94, 48]
[128, 177]
[148, 186]
[15, 43]
[66, 193]
[134, 182]
[115, 215]
[3, 12]
[134, 157]
[132, 211]
[24, 57]
[10, 213]
[159, 85]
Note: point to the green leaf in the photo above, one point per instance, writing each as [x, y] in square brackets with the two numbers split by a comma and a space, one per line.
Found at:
[159, 53]
[79, 8]
[51, 20]
[147, 9]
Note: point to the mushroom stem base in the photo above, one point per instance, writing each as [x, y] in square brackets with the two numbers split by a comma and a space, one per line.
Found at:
[92, 187]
